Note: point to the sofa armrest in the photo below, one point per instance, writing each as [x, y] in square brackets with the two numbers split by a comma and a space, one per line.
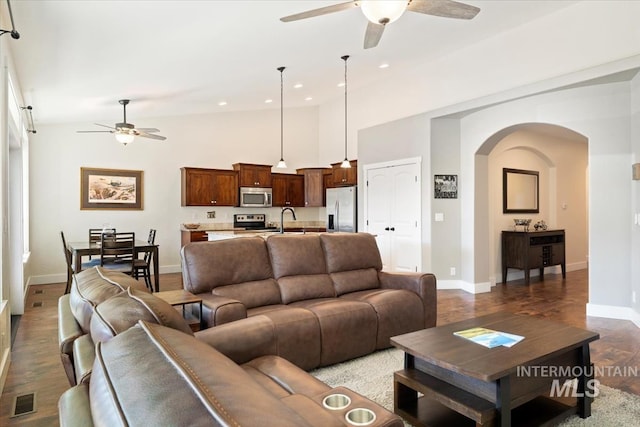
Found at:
[423, 284]
[217, 310]
[74, 408]
[84, 353]
[68, 329]
[243, 340]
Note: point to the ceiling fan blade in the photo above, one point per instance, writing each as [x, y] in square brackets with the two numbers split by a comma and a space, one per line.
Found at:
[150, 135]
[444, 8]
[321, 11]
[104, 126]
[372, 35]
[148, 130]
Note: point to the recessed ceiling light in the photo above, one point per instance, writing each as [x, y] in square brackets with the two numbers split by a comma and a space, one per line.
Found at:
[297, 85]
[383, 65]
[222, 103]
[341, 84]
[268, 101]
[308, 98]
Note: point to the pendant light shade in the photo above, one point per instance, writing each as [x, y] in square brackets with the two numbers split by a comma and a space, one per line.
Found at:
[383, 11]
[345, 163]
[281, 163]
[124, 138]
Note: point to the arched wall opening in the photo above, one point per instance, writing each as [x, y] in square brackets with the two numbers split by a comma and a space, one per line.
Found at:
[560, 156]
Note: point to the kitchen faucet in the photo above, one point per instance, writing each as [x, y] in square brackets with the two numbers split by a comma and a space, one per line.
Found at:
[282, 218]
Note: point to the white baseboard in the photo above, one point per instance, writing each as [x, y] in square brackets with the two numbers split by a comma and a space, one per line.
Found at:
[47, 279]
[472, 288]
[5, 342]
[613, 312]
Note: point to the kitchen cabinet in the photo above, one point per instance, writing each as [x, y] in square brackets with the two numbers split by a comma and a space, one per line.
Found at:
[314, 186]
[251, 175]
[532, 249]
[288, 190]
[345, 176]
[188, 236]
[209, 187]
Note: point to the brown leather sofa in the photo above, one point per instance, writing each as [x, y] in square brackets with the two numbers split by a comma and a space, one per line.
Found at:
[326, 295]
[150, 369]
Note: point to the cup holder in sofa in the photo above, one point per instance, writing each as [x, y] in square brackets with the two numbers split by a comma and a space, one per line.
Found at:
[360, 417]
[336, 401]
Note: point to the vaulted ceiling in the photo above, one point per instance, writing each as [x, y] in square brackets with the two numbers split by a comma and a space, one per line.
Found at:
[76, 59]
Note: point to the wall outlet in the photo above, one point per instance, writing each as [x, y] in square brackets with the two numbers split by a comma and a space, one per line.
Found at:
[452, 271]
[211, 214]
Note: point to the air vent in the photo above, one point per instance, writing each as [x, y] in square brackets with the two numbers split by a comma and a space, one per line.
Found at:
[23, 404]
[37, 304]
[39, 291]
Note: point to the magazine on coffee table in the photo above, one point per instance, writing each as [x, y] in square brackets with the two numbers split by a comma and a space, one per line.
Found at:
[489, 338]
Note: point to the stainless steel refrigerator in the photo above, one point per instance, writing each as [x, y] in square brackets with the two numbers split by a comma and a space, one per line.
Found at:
[341, 209]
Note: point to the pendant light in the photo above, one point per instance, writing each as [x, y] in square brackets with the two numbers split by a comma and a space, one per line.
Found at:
[281, 163]
[345, 163]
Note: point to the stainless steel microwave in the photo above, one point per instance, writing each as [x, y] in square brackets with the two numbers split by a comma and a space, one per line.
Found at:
[253, 197]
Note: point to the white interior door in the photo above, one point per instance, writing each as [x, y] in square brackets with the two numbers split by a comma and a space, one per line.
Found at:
[392, 214]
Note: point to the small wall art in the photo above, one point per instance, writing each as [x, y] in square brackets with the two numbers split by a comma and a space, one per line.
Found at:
[445, 186]
[115, 189]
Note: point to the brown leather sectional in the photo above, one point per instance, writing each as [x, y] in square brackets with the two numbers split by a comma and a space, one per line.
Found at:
[149, 368]
[326, 295]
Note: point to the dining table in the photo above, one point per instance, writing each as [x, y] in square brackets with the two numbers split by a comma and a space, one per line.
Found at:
[86, 248]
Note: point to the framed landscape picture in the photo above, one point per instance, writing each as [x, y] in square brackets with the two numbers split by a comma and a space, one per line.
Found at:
[110, 189]
[445, 186]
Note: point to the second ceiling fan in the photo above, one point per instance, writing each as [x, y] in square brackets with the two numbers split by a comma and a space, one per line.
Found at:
[382, 12]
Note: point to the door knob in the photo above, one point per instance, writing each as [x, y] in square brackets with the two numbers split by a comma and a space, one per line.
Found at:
[386, 229]
[393, 229]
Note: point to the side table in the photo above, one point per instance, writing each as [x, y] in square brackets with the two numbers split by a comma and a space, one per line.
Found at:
[183, 298]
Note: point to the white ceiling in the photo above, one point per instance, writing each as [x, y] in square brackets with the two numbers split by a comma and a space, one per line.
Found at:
[76, 59]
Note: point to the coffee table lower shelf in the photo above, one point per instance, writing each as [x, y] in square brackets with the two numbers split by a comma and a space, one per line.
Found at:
[443, 404]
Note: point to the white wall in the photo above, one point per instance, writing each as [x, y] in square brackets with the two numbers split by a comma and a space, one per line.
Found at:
[213, 141]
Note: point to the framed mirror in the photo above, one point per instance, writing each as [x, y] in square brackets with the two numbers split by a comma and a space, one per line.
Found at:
[520, 191]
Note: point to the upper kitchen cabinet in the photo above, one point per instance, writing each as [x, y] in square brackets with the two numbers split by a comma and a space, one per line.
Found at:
[288, 190]
[314, 186]
[345, 176]
[253, 175]
[209, 187]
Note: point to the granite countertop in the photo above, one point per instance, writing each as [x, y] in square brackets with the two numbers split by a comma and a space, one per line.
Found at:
[228, 227]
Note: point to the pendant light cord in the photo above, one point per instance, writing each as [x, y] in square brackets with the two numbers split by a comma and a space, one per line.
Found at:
[345, 105]
[281, 69]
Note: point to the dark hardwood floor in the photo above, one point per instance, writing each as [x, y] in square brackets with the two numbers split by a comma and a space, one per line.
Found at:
[36, 365]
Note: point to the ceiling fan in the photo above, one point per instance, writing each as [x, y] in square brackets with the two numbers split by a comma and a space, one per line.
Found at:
[125, 132]
[382, 12]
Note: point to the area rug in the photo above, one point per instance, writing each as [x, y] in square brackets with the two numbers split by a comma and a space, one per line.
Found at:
[372, 376]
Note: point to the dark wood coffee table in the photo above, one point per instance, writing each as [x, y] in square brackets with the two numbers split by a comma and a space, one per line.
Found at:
[464, 383]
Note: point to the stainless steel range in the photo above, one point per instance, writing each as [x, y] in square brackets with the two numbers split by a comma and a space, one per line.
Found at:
[251, 222]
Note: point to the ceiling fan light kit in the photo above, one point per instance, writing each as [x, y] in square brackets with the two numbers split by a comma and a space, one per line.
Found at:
[281, 164]
[383, 11]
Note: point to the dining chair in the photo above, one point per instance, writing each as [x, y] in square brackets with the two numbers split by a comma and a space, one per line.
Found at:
[96, 233]
[143, 266]
[69, 260]
[117, 251]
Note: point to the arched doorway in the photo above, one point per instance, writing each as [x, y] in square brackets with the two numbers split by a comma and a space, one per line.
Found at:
[560, 155]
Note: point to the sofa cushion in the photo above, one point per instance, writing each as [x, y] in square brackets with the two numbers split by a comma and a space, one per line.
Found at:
[293, 255]
[299, 267]
[355, 280]
[399, 312]
[252, 294]
[209, 265]
[180, 377]
[90, 287]
[350, 251]
[122, 311]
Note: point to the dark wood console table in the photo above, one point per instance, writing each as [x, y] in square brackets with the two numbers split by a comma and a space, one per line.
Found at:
[532, 249]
